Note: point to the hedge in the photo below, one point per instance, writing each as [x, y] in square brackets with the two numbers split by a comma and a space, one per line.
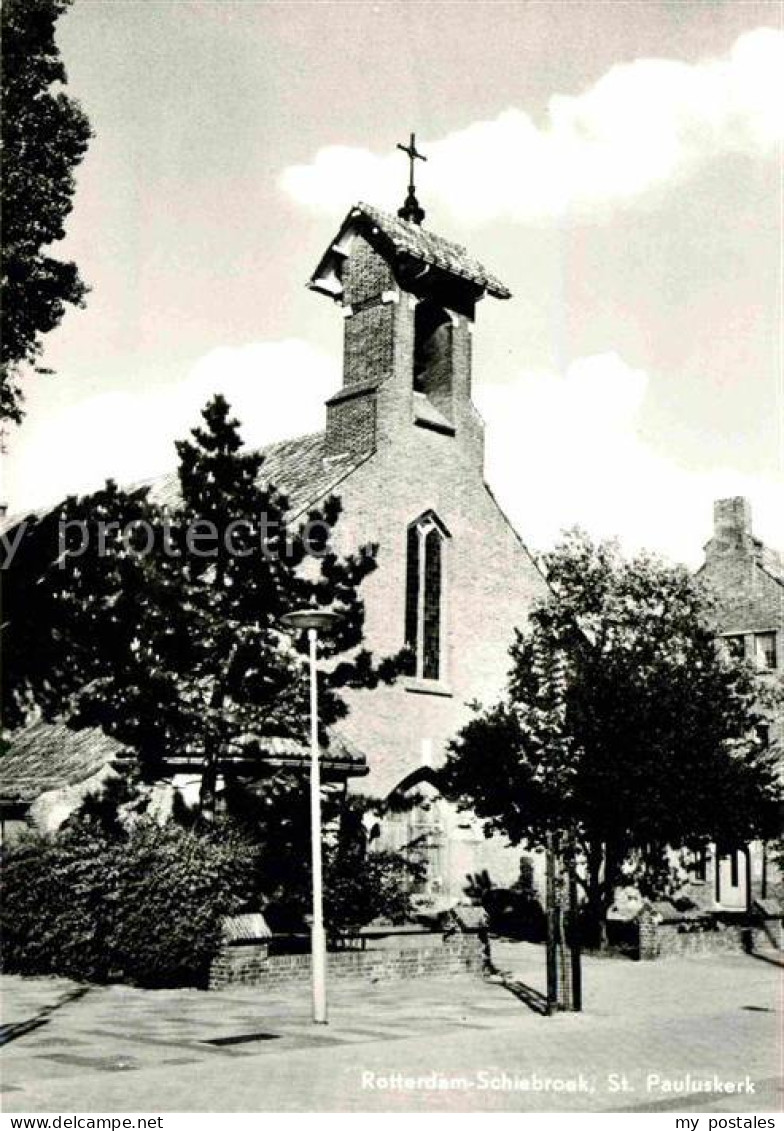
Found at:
[146, 908]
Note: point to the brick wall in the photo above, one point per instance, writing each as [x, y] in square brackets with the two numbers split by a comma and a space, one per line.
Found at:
[367, 344]
[667, 940]
[366, 274]
[250, 965]
[742, 574]
[351, 422]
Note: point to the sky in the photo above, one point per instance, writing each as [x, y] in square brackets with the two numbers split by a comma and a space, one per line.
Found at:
[618, 165]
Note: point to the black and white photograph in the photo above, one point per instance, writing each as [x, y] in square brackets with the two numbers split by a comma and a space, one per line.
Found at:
[392, 561]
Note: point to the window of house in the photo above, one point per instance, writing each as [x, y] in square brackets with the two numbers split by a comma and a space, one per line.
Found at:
[735, 645]
[424, 615]
[699, 866]
[765, 650]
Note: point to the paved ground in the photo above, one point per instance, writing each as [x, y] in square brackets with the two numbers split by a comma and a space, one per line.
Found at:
[77, 1048]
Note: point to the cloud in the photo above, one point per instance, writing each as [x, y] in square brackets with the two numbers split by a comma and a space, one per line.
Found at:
[644, 124]
[566, 450]
[276, 389]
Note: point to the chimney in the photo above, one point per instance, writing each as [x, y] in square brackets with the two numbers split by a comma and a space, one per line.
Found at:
[732, 519]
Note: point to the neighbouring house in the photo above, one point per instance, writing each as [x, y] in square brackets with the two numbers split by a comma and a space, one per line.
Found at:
[747, 579]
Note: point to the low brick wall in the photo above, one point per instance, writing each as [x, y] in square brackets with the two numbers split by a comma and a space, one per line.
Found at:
[666, 940]
[249, 964]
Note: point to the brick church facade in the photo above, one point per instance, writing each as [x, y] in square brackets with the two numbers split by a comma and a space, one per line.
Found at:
[403, 449]
[454, 578]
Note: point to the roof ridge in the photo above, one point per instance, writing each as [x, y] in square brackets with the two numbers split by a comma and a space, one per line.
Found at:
[415, 228]
[298, 439]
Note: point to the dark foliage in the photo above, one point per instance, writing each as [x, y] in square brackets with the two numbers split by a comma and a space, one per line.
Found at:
[115, 894]
[360, 884]
[145, 906]
[625, 730]
[45, 135]
[171, 644]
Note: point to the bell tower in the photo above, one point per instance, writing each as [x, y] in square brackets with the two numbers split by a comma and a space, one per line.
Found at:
[408, 299]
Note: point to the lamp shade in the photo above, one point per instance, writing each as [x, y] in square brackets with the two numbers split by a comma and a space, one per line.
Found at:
[301, 619]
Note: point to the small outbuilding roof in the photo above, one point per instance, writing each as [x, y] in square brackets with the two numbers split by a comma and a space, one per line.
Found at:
[48, 756]
[53, 756]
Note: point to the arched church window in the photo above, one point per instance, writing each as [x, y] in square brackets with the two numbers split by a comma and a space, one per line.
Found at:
[425, 568]
[433, 355]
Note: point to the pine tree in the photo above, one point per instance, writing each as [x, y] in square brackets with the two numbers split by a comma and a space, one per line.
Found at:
[166, 631]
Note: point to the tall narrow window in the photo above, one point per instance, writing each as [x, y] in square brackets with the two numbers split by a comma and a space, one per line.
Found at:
[424, 628]
[412, 589]
[431, 636]
[433, 356]
[700, 864]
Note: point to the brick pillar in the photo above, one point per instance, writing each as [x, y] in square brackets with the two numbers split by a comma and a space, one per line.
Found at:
[648, 942]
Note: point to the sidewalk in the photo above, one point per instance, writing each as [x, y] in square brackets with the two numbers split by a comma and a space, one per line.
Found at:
[115, 1048]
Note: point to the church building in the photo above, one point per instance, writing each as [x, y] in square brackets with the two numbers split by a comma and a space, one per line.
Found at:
[403, 450]
[454, 578]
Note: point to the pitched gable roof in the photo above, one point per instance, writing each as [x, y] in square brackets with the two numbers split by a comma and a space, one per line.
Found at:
[300, 469]
[49, 756]
[401, 238]
[771, 562]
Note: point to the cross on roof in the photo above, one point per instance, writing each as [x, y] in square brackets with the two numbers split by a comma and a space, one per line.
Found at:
[411, 209]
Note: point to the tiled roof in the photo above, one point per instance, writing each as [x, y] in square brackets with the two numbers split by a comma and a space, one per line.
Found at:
[394, 237]
[49, 756]
[299, 468]
[416, 241]
[772, 563]
[340, 754]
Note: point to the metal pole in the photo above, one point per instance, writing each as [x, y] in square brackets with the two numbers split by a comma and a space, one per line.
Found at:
[552, 955]
[318, 943]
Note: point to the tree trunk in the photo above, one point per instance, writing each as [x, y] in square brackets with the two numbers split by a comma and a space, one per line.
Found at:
[208, 787]
[594, 926]
[209, 776]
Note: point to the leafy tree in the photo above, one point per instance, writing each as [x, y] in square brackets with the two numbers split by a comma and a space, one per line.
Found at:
[45, 135]
[624, 731]
[161, 624]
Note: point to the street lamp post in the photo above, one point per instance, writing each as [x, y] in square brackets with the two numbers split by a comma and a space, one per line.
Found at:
[313, 620]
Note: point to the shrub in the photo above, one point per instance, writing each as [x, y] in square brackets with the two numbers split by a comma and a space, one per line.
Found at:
[175, 887]
[147, 907]
[361, 886]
